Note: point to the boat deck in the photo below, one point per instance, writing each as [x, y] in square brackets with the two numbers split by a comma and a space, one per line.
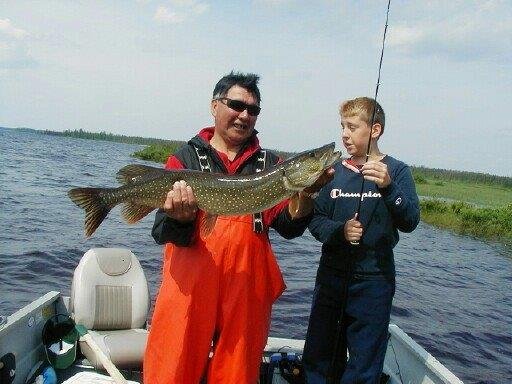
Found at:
[21, 349]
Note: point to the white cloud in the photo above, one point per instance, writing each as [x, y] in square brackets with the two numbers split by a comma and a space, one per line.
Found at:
[15, 56]
[8, 29]
[164, 15]
[200, 8]
[403, 36]
[4, 50]
[275, 2]
[14, 51]
[194, 6]
[469, 33]
[186, 9]
[183, 3]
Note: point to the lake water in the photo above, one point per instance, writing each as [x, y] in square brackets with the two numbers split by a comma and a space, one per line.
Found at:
[453, 292]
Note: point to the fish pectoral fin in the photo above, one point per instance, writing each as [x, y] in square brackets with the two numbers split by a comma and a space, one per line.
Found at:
[133, 172]
[206, 224]
[290, 186]
[133, 212]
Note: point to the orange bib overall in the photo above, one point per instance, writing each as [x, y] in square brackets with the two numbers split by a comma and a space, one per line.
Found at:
[219, 289]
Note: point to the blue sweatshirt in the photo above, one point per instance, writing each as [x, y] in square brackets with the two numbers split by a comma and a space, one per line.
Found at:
[383, 212]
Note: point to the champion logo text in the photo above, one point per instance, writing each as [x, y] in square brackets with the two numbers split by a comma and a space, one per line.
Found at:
[338, 193]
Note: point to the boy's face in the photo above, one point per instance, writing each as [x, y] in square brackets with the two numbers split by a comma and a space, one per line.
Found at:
[354, 134]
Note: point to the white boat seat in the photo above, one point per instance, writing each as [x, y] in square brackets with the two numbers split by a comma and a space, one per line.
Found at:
[110, 297]
[125, 348]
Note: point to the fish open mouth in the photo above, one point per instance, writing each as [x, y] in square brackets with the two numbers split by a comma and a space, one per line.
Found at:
[328, 156]
[332, 158]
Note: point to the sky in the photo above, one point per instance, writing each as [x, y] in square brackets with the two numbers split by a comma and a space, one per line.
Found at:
[148, 68]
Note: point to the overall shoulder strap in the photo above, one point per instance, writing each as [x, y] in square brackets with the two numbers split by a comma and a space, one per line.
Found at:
[204, 163]
[257, 218]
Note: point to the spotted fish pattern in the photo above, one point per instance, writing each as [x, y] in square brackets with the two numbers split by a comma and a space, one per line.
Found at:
[145, 188]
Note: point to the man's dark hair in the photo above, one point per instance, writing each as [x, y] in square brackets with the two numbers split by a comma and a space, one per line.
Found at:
[248, 81]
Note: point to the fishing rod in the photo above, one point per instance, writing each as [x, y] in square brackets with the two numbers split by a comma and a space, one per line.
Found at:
[374, 109]
[374, 112]
[340, 346]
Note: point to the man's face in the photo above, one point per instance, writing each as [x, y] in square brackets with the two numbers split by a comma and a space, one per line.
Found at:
[354, 134]
[232, 126]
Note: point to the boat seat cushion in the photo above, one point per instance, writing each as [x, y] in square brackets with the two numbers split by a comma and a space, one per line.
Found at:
[110, 297]
[125, 348]
[109, 290]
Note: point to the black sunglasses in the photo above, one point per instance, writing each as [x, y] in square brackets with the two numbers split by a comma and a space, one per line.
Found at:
[240, 106]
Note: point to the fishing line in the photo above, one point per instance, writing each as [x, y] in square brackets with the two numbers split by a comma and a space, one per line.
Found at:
[374, 109]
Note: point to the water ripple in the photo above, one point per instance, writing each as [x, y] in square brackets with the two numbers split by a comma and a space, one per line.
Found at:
[452, 297]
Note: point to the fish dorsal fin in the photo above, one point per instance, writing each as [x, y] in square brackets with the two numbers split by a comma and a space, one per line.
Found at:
[206, 224]
[133, 172]
[133, 212]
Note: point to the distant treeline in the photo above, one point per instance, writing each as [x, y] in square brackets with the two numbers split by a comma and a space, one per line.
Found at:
[159, 149]
[422, 174]
[105, 136]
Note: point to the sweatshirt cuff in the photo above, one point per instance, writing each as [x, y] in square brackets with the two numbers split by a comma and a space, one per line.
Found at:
[392, 194]
[178, 232]
[299, 221]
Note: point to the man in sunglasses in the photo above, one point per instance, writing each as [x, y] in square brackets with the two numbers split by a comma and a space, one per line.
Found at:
[219, 290]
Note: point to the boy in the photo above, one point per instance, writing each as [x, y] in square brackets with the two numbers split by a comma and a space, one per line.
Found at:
[356, 276]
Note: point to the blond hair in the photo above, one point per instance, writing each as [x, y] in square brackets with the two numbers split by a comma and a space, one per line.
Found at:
[363, 108]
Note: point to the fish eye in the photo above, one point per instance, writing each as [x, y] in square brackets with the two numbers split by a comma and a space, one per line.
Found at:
[311, 154]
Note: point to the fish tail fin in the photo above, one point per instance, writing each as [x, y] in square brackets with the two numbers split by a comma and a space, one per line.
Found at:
[92, 201]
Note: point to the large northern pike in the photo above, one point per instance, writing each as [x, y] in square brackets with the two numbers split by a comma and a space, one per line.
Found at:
[145, 188]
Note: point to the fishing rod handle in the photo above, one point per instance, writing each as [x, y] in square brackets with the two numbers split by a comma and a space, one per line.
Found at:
[105, 361]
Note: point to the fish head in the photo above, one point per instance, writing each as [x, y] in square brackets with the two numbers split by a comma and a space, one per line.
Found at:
[304, 169]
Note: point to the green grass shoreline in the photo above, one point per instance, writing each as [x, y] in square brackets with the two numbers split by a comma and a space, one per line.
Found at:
[468, 203]
[476, 206]
[493, 224]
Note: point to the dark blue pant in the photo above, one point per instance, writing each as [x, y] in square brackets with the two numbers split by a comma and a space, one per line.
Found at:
[364, 327]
